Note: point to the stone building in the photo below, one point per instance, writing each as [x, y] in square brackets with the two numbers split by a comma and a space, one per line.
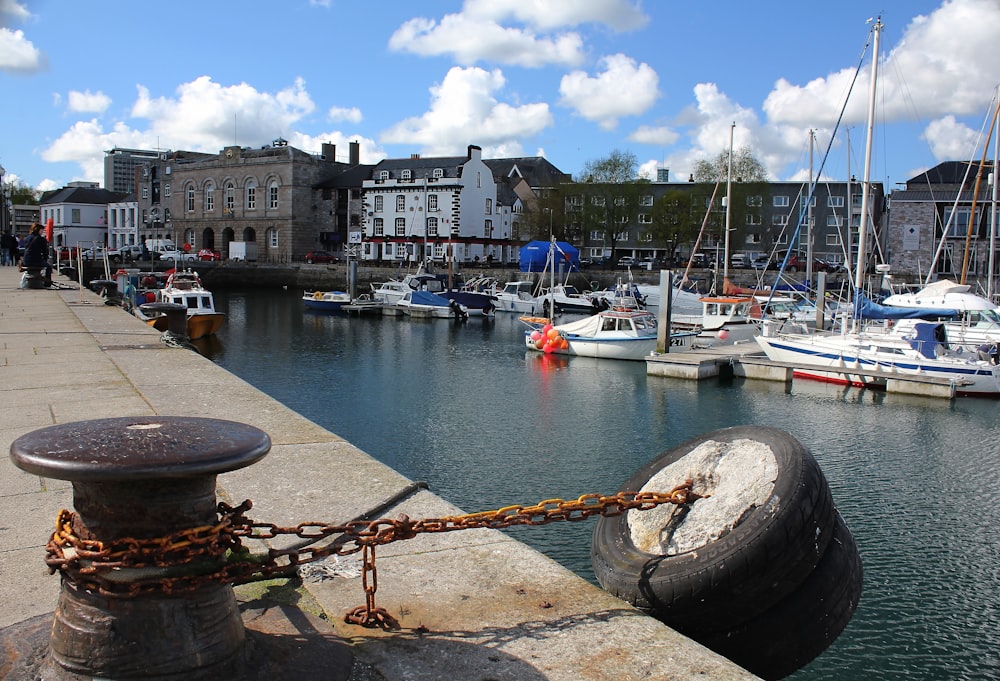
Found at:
[936, 204]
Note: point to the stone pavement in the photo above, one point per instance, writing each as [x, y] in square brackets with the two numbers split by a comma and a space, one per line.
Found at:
[472, 605]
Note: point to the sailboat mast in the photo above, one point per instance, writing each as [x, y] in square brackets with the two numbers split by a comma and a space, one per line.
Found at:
[809, 213]
[729, 201]
[993, 212]
[859, 273]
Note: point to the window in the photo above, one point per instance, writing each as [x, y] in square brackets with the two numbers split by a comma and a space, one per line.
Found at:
[835, 201]
[379, 203]
[432, 203]
[378, 227]
[383, 175]
[832, 239]
[166, 189]
[438, 173]
[621, 236]
[272, 194]
[432, 226]
[782, 239]
[753, 219]
[597, 235]
[812, 203]
[190, 198]
[145, 191]
[400, 226]
[755, 201]
[645, 219]
[405, 175]
[646, 236]
[400, 203]
[575, 200]
[753, 238]
[646, 200]
[623, 219]
[75, 216]
[597, 201]
[781, 201]
[272, 237]
[230, 197]
[479, 179]
[489, 206]
[779, 220]
[488, 228]
[210, 196]
[619, 200]
[189, 236]
[251, 195]
[834, 221]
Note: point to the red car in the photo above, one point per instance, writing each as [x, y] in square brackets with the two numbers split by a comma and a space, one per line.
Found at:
[320, 257]
[209, 254]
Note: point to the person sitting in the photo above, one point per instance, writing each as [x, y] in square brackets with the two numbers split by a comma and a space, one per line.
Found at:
[36, 253]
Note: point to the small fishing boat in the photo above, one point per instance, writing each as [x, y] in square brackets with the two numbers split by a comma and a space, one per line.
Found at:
[326, 301]
[518, 296]
[183, 287]
[427, 305]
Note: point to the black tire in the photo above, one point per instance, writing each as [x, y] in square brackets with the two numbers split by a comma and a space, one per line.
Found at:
[796, 630]
[728, 580]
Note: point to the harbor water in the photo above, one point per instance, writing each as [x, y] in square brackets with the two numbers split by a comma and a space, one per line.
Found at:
[464, 407]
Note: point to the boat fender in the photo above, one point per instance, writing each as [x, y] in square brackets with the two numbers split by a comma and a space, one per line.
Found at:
[764, 524]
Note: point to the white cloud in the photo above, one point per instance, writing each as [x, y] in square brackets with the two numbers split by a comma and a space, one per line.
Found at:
[19, 55]
[658, 135]
[469, 40]
[339, 113]
[85, 141]
[622, 89]
[88, 102]
[206, 115]
[464, 110]
[620, 15]
[948, 139]
[368, 149]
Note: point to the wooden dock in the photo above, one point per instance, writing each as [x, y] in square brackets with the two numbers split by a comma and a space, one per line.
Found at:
[747, 360]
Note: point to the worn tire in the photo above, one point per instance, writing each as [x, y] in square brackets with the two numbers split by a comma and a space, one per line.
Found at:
[726, 581]
[793, 632]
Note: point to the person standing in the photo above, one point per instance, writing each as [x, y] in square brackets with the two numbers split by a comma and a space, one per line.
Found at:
[8, 249]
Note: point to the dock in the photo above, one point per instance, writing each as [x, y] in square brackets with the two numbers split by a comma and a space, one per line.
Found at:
[747, 360]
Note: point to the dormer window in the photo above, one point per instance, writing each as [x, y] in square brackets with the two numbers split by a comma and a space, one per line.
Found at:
[383, 175]
[438, 173]
[404, 175]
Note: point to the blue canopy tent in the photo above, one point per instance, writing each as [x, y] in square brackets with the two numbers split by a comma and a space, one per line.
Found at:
[534, 255]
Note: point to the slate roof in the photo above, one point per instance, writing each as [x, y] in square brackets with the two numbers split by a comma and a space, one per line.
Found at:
[83, 195]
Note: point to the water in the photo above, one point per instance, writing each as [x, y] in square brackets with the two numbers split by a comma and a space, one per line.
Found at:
[486, 424]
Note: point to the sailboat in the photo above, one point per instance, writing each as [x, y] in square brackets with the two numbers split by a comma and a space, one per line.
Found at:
[856, 357]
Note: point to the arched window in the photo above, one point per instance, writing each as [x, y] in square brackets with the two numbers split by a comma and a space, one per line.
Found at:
[272, 237]
[272, 194]
[189, 236]
[210, 196]
[189, 197]
[230, 197]
[251, 202]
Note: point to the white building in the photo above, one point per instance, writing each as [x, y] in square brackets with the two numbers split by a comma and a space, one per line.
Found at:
[79, 213]
[123, 223]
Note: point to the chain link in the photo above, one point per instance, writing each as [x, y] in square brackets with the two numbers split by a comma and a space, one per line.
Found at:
[192, 558]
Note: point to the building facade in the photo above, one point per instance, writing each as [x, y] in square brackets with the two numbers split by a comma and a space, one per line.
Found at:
[121, 167]
[932, 221]
[79, 213]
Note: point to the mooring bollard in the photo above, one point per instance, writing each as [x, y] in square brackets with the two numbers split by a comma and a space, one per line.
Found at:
[175, 313]
[143, 478]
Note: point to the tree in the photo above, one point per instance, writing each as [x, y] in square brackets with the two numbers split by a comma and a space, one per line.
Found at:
[749, 185]
[610, 194]
[674, 219]
[21, 194]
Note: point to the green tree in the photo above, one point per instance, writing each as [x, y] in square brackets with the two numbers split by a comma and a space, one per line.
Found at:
[674, 219]
[609, 196]
[21, 194]
[749, 185]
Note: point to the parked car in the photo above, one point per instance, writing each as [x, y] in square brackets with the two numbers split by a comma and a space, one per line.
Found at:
[761, 262]
[738, 260]
[131, 252]
[626, 261]
[320, 257]
[209, 254]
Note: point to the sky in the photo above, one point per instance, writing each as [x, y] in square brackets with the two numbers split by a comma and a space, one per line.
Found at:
[570, 80]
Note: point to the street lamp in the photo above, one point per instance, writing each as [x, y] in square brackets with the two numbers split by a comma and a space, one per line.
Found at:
[3, 204]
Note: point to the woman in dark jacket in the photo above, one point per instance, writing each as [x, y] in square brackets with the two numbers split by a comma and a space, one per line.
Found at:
[36, 252]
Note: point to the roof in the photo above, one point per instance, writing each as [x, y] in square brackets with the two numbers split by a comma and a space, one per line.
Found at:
[84, 195]
[947, 172]
[536, 170]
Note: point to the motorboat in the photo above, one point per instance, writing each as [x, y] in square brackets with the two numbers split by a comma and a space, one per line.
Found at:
[567, 298]
[427, 305]
[518, 296]
[974, 324]
[629, 334]
[724, 320]
[475, 302]
[183, 287]
[326, 301]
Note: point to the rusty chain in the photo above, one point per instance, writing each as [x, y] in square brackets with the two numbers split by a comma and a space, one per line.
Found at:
[212, 554]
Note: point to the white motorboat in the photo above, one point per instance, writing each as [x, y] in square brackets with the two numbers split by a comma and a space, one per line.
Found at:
[518, 296]
[610, 334]
[183, 287]
[427, 305]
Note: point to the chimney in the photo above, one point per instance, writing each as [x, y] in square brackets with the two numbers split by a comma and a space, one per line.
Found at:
[475, 152]
[329, 152]
[691, 177]
[414, 156]
[355, 158]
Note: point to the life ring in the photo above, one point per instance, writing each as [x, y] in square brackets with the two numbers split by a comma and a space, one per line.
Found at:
[318, 295]
[732, 555]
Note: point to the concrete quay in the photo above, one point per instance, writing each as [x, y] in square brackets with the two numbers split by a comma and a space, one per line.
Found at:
[473, 605]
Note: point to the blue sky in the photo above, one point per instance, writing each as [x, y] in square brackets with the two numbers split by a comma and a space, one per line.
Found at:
[570, 80]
